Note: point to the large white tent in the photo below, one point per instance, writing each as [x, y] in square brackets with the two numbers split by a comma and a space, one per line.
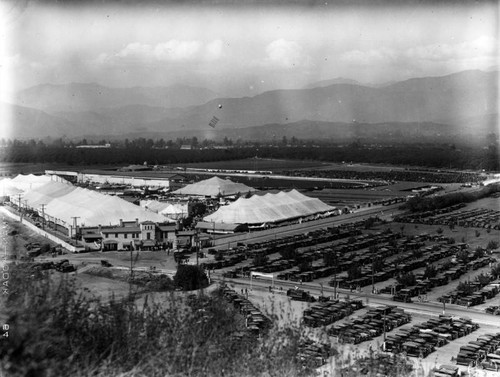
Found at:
[63, 201]
[94, 209]
[44, 194]
[31, 181]
[269, 208]
[213, 187]
[7, 188]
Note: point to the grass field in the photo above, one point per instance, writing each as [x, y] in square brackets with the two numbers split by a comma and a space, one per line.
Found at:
[257, 164]
[360, 167]
[142, 259]
[8, 168]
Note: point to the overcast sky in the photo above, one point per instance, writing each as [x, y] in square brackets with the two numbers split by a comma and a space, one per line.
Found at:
[241, 50]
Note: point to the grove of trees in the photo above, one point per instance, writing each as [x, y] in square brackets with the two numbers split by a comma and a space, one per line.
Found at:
[159, 151]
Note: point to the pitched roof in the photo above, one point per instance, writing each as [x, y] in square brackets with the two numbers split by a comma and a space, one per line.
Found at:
[63, 201]
[269, 208]
[213, 187]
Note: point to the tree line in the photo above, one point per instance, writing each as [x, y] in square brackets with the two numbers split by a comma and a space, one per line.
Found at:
[418, 204]
[169, 152]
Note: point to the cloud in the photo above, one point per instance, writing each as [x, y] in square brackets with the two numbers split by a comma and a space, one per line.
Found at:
[357, 57]
[175, 50]
[11, 61]
[171, 51]
[482, 48]
[284, 54]
[213, 50]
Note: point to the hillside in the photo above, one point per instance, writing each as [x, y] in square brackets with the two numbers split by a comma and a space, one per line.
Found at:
[465, 94]
[467, 100]
[91, 97]
[27, 123]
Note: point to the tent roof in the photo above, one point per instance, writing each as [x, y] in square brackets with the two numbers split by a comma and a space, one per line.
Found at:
[64, 201]
[165, 208]
[31, 181]
[7, 188]
[269, 208]
[47, 192]
[213, 186]
[94, 208]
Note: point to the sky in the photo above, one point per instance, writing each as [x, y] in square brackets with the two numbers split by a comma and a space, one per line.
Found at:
[239, 50]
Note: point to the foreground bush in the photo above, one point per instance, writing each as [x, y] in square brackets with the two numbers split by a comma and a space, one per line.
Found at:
[57, 331]
[190, 277]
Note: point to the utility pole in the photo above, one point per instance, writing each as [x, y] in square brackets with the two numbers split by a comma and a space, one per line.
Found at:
[213, 234]
[75, 224]
[373, 271]
[19, 208]
[335, 276]
[197, 246]
[43, 215]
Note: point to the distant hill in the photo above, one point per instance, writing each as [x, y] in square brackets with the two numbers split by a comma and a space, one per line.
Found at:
[119, 120]
[467, 101]
[469, 93]
[27, 123]
[90, 97]
[337, 80]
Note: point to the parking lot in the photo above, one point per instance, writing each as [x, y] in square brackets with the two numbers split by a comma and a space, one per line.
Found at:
[290, 312]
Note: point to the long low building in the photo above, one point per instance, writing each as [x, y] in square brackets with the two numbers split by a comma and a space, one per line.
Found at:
[270, 208]
[132, 235]
[153, 179]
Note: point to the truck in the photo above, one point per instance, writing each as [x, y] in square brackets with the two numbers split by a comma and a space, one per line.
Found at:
[401, 298]
[300, 295]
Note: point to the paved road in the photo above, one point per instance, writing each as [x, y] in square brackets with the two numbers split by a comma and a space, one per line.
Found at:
[426, 308]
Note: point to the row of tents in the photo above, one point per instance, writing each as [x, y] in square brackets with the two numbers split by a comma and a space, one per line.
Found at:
[62, 201]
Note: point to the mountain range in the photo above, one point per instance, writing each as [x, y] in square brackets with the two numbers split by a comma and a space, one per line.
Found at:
[462, 102]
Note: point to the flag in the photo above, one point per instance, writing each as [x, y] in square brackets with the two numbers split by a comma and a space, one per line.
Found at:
[213, 122]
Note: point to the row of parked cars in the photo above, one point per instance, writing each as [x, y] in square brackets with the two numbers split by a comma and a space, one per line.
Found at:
[325, 313]
[479, 296]
[245, 251]
[375, 322]
[422, 339]
[402, 255]
[419, 217]
[255, 321]
[494, 309]
[378, 365]
[61, 266]
[444, 276]
[445, 371]
[319, 236]
[483, 352]
[314, 354]
[476, 218]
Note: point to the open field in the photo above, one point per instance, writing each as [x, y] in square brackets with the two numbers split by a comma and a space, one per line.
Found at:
[257, 164]
[8, 168]
[360, 167]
